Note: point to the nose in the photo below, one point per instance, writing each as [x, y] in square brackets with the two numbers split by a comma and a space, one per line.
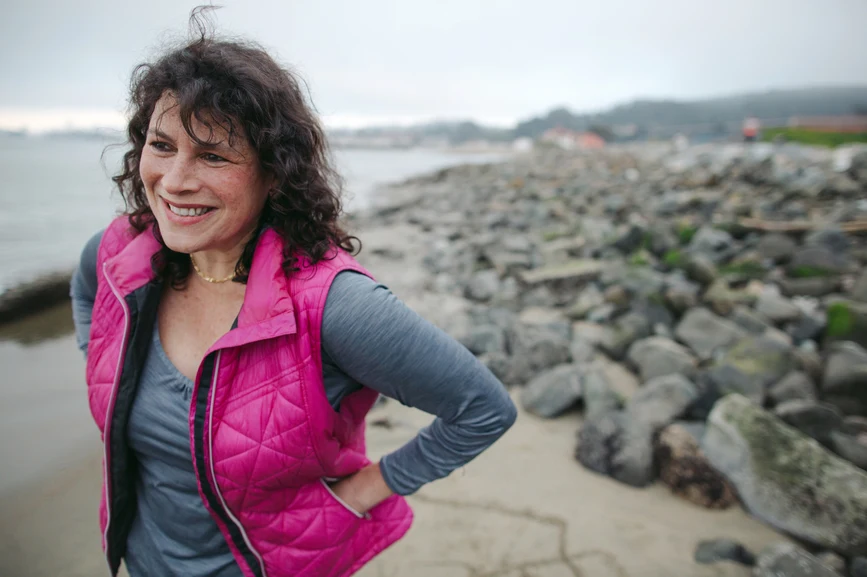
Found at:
[179, 177]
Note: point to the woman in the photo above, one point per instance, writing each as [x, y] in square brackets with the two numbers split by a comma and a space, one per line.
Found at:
[234, 345]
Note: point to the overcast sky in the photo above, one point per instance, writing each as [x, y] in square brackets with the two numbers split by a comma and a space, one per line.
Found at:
[493, 60]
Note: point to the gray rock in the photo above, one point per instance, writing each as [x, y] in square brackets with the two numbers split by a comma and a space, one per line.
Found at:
[713, 244]
[723, 299]
[810, 287]
[858, 568]
[750, 366]
[687, 472]
[659, 356]
[701, 269]
[592, 333]
[814, 419]
[602, 313]
[854, 425]
[795, 385]
[498, 363]
[704, 332]
[833, 561]
[787, 479]
[623, 382]
[853, 448]
[832, 239]
[809, 361]
[845, 376]
[599, 398]
[582, 352]
[749, 320]
[588, 299]
[680, 298]
[789, 560]
[631, 240]
[627, 329]
[817, 260]
[723, 550]
[484, 339]
[776, 247]
[553, 392]
[483, 285]
[661, 400]
[776, 308]
[859, 289]
[613, 444]
[808, 327]
[847, 321]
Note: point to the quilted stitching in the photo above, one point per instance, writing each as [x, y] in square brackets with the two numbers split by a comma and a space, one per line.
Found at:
[275, 435]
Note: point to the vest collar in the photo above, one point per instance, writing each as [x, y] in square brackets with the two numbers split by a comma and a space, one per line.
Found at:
[267, 307]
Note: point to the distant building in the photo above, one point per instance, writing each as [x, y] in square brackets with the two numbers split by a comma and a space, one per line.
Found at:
[571, 139]
[854, 123]
[522, 144]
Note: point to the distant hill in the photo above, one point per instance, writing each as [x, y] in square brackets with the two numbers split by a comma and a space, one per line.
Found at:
[719, 113]
[654, 118]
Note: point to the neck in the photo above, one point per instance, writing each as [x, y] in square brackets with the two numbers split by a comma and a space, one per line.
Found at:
[219, 264]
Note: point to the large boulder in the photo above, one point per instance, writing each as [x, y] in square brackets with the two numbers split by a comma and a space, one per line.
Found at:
[553, 392]
[789, 560]
[787, 479]
[659, 356]
[704, 332]
[687, 472]
[844, 382]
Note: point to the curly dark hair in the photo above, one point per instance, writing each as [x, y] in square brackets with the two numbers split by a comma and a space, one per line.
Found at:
[238, 86]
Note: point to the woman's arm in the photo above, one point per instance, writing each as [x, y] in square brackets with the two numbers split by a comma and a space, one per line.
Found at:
[83, 291]
[380, 342]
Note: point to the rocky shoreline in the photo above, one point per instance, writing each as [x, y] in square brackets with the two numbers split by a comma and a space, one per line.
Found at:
[705, 308]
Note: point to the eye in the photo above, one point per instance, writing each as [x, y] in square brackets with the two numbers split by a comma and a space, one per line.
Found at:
[160, 146]
[210, 157]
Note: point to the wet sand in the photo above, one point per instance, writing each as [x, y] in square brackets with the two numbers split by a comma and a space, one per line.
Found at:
[525, 508]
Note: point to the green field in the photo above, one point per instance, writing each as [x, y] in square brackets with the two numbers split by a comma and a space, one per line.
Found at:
[813, 137]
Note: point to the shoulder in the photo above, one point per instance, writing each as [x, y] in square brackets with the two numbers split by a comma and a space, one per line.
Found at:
[90, 251]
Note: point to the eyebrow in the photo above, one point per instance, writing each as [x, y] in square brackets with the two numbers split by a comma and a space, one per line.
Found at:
[210, 146]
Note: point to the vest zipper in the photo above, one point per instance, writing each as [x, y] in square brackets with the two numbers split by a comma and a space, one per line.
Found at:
[235, 520]
[109, 413]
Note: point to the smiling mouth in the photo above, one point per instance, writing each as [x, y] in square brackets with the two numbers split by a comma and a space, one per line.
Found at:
[192, 211]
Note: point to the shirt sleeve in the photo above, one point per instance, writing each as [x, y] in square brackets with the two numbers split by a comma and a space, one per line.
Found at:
[82, 290]
[380, 342]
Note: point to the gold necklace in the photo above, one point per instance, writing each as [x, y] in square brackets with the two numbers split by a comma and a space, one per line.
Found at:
[210, 279]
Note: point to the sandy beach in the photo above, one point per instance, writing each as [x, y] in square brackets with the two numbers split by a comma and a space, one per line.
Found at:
[525, 508]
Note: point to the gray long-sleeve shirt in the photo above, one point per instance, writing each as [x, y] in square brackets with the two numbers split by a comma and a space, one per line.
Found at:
[425, 369]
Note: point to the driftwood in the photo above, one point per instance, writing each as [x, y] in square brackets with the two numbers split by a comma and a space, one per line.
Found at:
[852, 227]
[34, 296]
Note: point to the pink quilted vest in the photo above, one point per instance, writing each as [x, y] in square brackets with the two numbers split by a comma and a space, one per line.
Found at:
[263, 437]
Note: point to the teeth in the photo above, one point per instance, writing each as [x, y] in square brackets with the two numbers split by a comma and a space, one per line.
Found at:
[188, 211]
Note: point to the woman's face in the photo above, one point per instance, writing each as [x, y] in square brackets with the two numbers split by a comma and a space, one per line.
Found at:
[205, 198]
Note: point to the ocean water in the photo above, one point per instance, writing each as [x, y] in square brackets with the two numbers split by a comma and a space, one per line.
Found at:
[55, 192]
